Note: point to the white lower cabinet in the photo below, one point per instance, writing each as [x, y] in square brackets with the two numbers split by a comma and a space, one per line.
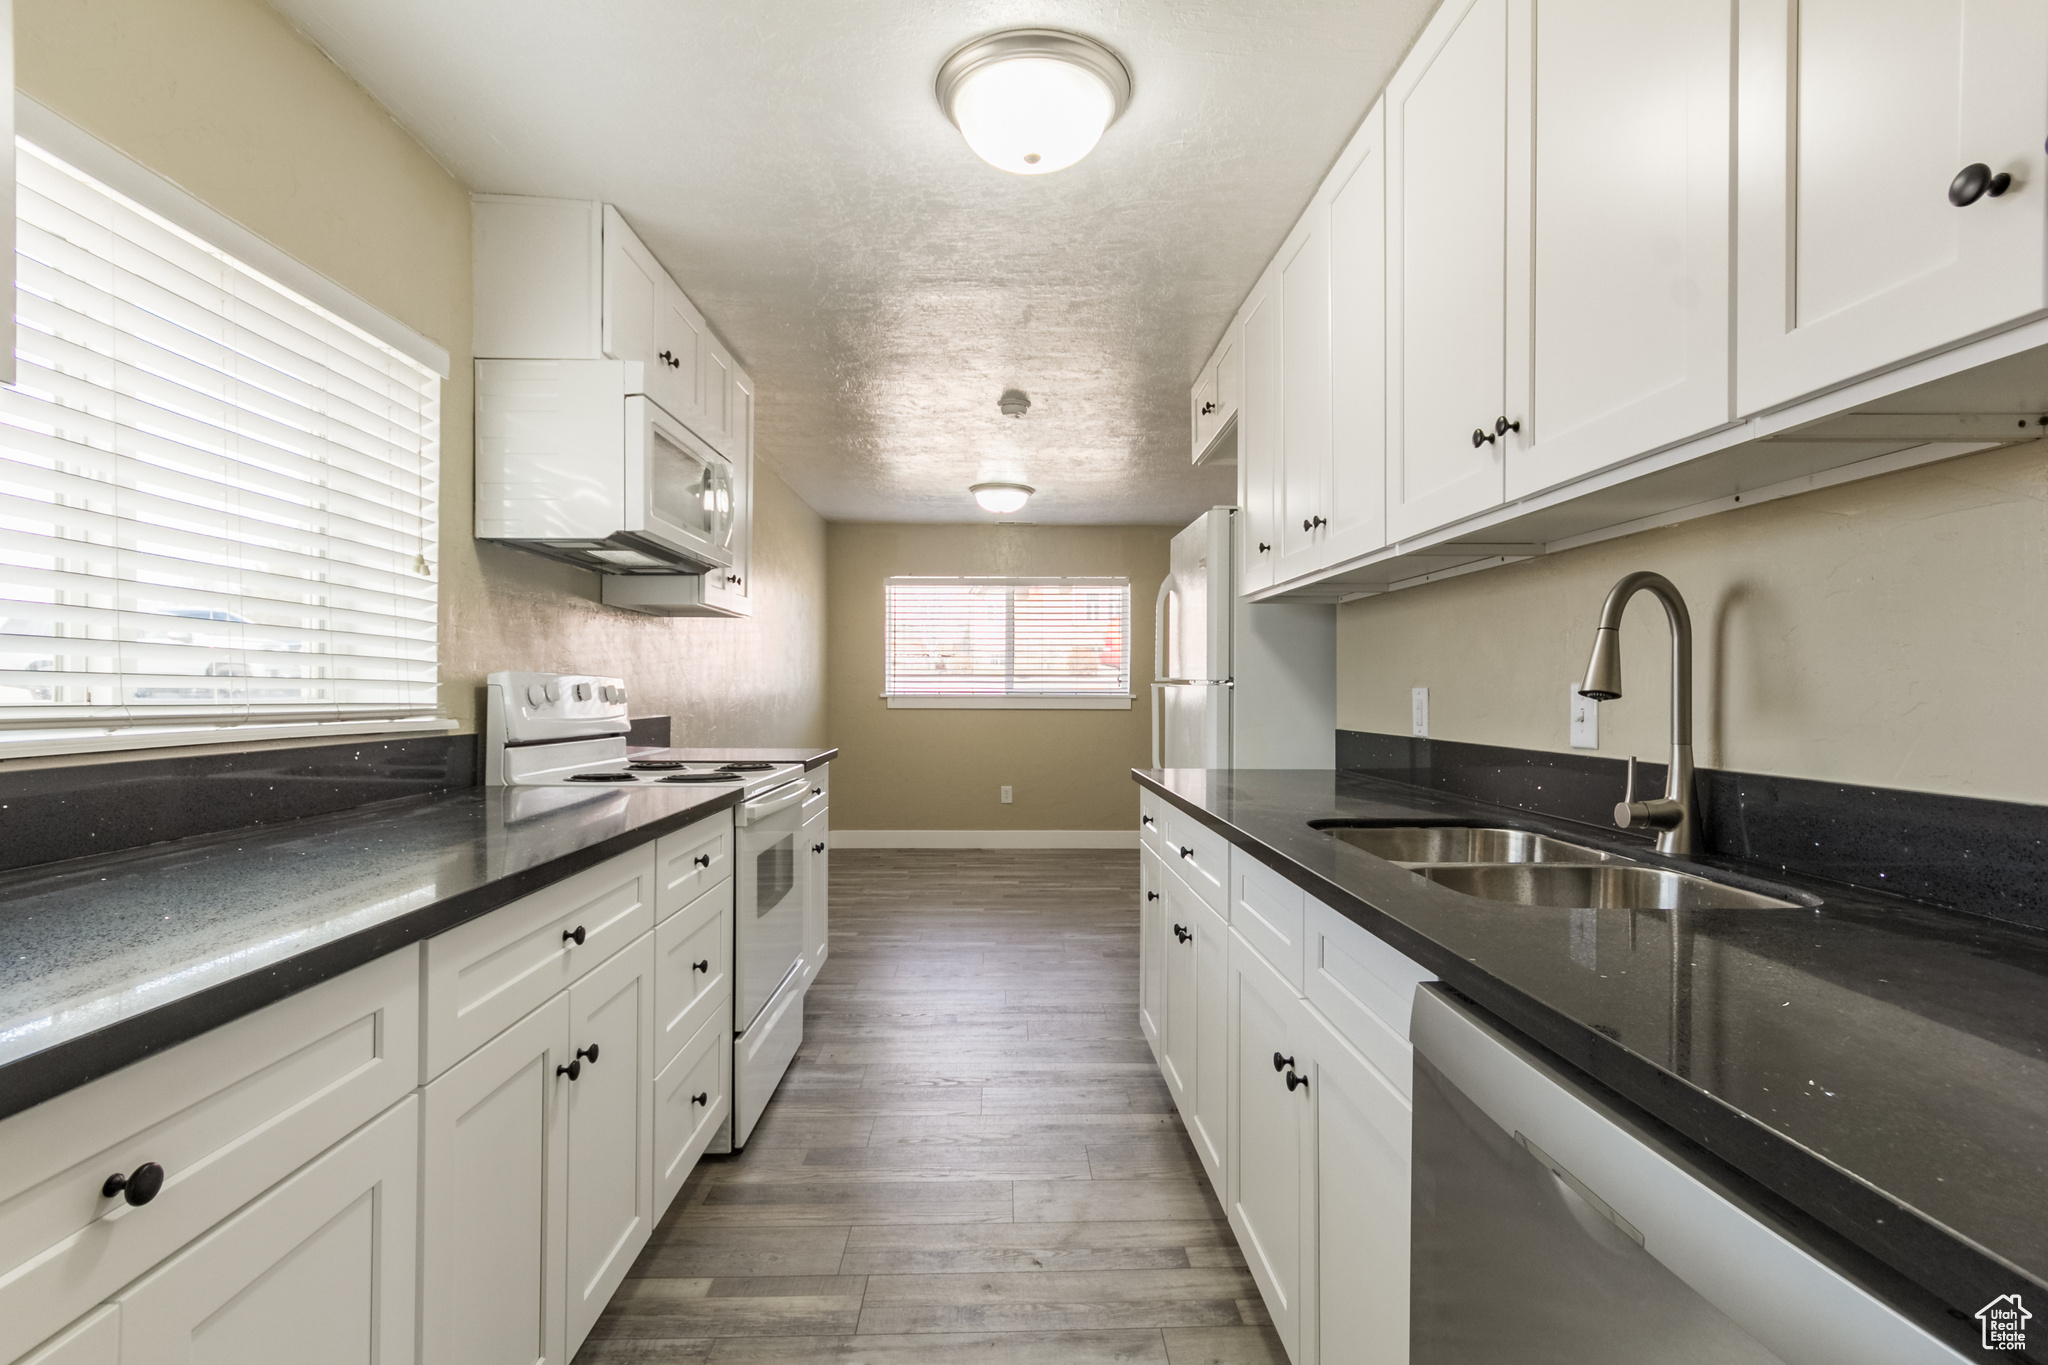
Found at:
[817, 850]
[1208, 1116]
[1151, 946]
[1177, 988]
[1269, 1134]
[692, 1097]
[319, 1271]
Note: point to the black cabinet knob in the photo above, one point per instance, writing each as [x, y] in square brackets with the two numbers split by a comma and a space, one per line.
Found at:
[1208, 408]
[701, 1097]
[668, 358]
[1145, 820]
[817, 848]
[575, 936]
[817, 791]
[1306, 524]
[572, 1070]
[1482, 437]
[1296, 1082]
[587, 1054]
[1151, 895]
[1975, 181]
[138, 1187]
[1264, 547]
[1502, 426]
[1281, 1063]
[702, 860]
[1317, 521]
[1186, 852]
[1180, 931]
[702, 964]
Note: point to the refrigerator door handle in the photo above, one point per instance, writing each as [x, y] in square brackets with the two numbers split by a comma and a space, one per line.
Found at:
[1159, 659]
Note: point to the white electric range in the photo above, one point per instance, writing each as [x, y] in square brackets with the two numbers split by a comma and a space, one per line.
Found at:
[564, 730]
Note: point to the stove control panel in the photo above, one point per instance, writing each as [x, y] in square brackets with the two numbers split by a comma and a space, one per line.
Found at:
[544, 706]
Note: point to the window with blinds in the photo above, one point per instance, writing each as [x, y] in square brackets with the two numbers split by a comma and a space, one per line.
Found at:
[217, 499]
[1008, 637]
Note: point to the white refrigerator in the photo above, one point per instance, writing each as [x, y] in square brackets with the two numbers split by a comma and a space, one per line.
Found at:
[1238, 684]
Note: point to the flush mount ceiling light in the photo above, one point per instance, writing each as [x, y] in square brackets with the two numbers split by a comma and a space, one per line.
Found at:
[1033, 100]
[1001, 497]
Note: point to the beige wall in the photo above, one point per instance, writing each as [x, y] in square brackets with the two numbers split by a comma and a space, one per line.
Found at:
[227, 100]
[921, 770]
[1891, 632]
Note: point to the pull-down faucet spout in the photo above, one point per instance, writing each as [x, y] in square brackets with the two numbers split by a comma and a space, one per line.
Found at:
[1674, 816]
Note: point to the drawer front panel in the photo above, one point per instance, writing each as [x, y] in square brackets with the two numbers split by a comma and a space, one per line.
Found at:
[1148, 821]
[1199, 854]
[484, 976]
[820, 794]
[685, 995]
[684, 1125]
[692, 861]
[1266, 909]
[1364, 988]
[226, 1115]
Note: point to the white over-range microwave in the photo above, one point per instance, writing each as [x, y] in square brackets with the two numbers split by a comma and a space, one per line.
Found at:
[574, 464]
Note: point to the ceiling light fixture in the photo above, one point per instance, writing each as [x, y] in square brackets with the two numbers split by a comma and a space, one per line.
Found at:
[1033, 100]
[1001, 497]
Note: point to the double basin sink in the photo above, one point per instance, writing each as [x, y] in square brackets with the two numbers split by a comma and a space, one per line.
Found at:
[1523, 868]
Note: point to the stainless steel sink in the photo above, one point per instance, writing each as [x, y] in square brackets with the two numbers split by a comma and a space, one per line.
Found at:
[1422, 845]
[1610, 887]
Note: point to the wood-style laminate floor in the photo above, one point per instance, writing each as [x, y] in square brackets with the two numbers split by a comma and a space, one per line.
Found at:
[973, 1158]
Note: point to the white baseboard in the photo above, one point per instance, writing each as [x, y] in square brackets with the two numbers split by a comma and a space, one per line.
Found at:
[984, 838]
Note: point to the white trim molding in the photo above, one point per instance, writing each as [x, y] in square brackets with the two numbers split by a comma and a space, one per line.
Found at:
[985, 838]
[87, 739]
[1005, 701]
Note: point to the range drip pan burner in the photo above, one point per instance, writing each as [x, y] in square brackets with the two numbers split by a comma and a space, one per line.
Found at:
[656, 765]
[750, 766]
[602, 777]
[724, 777]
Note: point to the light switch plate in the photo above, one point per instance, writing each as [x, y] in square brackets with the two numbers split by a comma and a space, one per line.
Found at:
[1006, 796]
[1585, 715]
[1418, 702]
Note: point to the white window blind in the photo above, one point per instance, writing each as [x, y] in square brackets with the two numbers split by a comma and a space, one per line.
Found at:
[1007, 637]
[218, 500]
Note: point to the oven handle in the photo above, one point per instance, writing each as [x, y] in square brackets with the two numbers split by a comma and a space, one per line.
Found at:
[766, 804]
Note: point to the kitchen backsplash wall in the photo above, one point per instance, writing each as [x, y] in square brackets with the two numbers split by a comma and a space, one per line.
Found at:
[226, 99]
[942, 770]
[1885, 633]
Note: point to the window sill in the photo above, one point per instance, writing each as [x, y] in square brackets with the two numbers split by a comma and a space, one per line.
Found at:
[86, 739]
[985, 702]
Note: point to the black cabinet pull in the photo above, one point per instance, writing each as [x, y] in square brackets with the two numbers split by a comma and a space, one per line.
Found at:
[1317, 521]
[1208, 408]
[702, 860]
[1975, 181]
[1186, 852]
[1281, 1063]
[701, 1097]
[1264, 547]
[138, 1187]
[733, 579]
[1502, 426]
[572, 1070]
[817, 791]
[1145, 820]
[575, 936]
[1180, 931]
[668, 358]
[1151, 895]
[588, 1054]
[1294, 1081]
[1482, 437]
[817, 848]
[1307, 525]
[702, 964]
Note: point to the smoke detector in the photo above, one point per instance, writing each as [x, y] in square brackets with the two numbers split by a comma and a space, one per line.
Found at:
[1013, 403]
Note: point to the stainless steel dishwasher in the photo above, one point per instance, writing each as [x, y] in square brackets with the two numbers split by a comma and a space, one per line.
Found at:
[1551, 1227]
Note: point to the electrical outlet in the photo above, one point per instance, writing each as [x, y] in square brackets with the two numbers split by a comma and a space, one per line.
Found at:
[1585, 714]
[1006, 796]
[1418, 703]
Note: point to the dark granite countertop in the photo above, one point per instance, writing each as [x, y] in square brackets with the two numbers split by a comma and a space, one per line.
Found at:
[1880, 1066]
[810, 758]
[111, 958]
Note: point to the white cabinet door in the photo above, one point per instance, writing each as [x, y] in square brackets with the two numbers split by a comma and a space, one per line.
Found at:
[679, 340]
[730, 592]
[1358, 1190]
[1358, 351]
[1258, 443]
[1305, 391]
[1619, 249]
[1177, 1025]
[493, 1193]
[611, 1130]
[1208, 1117]
[714, 394]
[633, 283]
[1446, 268]
[1203, 409]
[817, 848]
[1855, 116]
[1152, 950]
[1270, 1135]
[319, 1271]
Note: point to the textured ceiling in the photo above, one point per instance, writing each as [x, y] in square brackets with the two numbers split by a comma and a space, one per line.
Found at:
[786, 159]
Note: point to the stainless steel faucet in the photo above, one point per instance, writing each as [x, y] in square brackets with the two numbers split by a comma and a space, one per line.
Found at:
[1674, 815]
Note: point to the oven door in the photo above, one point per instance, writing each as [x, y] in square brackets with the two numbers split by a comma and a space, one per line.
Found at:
[770, 895]
[679, 491]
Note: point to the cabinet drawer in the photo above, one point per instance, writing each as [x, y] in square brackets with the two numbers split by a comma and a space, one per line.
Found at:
[684, 1124]
[1266, 909]
[685, 993]
[486, 975]
[1148, 821]
[226, 1115]
[1198, 853]
[96, 1341]
[1364, 988]
[692, 861]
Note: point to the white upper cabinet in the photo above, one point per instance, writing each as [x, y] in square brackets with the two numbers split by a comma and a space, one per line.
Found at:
[1855, 117]
[1305, 391]
[1258, 442]
[1357, 508]
[1618, 244]
[1216, 396]
[1447, 294]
